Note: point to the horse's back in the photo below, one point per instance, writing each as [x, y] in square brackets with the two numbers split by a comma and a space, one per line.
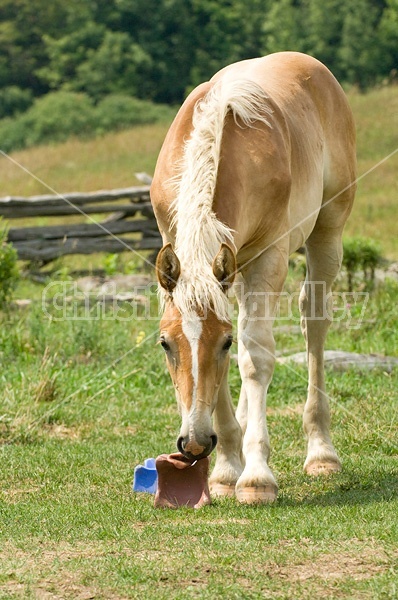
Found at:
[293, 167]
[310, 98]
[298, 83]
[320, 130]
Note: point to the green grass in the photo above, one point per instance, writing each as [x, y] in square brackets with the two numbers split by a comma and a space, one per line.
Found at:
[374, 212]
[105, 163]
[85, 401]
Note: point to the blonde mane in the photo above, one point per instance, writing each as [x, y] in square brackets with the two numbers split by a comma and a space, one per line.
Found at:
[199, 232]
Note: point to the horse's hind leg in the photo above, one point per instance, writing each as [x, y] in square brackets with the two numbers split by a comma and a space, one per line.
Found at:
[324, 255]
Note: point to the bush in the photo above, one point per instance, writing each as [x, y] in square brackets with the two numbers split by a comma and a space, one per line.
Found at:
[59, 115]
[361, 254]
[14, 100]
[9, 273]
[118, 111]
[52, 118]
[13, 134]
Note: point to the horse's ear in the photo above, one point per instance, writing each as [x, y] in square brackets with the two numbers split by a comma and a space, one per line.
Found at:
[224, 266]
[168, 268]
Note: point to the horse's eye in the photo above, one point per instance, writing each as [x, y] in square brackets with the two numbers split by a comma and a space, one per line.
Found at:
[164, 344]
[227, 344]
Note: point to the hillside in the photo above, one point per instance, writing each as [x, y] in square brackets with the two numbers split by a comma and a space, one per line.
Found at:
[375, 210]
[111, 161]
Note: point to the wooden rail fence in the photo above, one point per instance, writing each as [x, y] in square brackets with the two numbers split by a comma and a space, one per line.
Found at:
[127, 210]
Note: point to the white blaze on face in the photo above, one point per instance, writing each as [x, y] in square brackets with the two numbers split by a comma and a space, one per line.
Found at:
[192, 328]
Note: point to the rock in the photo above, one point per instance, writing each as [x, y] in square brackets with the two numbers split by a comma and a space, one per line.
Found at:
[391, 273]
[342, 361]
[23, 303]
[115, 284]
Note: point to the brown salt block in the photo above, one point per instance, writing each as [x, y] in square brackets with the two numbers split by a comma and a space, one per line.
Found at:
[182, 482]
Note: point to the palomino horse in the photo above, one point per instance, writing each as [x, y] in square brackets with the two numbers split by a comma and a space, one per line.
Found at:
[258, 162]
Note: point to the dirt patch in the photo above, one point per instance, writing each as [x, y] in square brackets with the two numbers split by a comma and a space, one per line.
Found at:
[53, 576]
[63, 570]
[20, 430]
[230, 520]
[288, 411]
[60, 588]
[15, 495]
[48, 590]
[336, 566]
[124, 430]
[59, 431]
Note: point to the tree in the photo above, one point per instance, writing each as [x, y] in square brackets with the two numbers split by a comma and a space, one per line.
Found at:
[94, 60]
[113, 67]
[166, 31]
[23, 23]
[324, 30]
[359, 52]
[67, 52]
[285, 27]
[388, 35]
[189, 40]
[229, 30]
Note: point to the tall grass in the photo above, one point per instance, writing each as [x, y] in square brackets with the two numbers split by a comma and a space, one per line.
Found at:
[104, 163]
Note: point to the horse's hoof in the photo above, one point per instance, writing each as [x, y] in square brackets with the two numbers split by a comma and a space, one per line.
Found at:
[222, 489]
[322, 467]
[257, 495]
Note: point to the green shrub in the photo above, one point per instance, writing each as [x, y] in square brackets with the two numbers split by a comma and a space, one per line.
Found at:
[118, 111]
[13, 134]
[361, 254]
[371, 258]
[14, 100]
[111, 264]
[9, 273]
[52, 118]
[59, 115]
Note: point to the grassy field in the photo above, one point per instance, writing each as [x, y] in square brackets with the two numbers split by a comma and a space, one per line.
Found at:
[85, 400]
[375, 209]
[111, 162]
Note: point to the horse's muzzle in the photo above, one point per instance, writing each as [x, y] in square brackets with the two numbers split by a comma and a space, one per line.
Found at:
[194, 450]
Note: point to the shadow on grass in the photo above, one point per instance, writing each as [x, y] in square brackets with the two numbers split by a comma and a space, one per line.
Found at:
[350, 489]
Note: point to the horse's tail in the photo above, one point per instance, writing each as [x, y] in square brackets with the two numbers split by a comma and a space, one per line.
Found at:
[243, 97]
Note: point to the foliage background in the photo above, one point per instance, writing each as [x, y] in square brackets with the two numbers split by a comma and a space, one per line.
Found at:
[158, 50]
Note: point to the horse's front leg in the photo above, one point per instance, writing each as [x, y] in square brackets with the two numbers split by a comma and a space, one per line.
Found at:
[229, 462]
[262, 283]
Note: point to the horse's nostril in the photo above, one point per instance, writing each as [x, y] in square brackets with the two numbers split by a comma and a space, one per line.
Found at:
[180, 444]
[190, 449]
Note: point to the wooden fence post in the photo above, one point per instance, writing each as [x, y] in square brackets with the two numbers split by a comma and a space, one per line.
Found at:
[128, 211]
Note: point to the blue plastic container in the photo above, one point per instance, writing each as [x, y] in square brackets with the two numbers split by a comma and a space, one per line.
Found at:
[146, 477]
